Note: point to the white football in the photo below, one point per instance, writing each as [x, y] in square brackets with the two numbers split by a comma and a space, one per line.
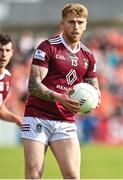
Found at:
[87, 96]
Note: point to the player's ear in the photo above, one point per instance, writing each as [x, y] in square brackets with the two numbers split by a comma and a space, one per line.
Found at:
[61, 23]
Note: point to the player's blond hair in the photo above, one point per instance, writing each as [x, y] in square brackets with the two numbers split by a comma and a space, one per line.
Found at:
[76, 8]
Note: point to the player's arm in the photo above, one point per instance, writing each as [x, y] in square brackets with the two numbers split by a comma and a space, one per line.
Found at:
[38, 89]
[6, 115]
[94, 82]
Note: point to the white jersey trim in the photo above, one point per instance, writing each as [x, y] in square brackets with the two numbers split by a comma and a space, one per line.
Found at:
[56, 40]
[60, 39]
[5, 72]
[85, 48]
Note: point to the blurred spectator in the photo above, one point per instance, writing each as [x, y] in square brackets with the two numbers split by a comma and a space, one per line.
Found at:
[40, 37]
[26, 44]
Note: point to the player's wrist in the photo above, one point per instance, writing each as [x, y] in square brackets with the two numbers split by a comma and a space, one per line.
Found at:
[55, 95]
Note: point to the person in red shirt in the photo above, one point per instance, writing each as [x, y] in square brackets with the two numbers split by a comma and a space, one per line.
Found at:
[58, 64]
[6, 52]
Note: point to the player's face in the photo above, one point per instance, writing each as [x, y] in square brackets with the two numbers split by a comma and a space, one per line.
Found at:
[73, 27]
[6, 52]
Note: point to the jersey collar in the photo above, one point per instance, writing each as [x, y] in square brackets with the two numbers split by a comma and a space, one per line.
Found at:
[4, 73]
[71, 50]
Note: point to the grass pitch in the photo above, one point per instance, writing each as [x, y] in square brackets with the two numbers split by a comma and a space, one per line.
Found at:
[98, 162]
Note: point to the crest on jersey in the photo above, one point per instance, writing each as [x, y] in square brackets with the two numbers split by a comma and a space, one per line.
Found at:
[86, 63]
[39, 54]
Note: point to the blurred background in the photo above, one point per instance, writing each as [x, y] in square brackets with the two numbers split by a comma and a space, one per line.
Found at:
[30, 22]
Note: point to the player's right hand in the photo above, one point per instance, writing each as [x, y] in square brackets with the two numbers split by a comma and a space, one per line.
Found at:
[70, 104]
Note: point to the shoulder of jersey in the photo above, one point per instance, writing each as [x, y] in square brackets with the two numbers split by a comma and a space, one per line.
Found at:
[85, 48]
[55, 40]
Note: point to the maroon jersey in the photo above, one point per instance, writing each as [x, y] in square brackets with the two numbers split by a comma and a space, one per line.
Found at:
[66, 67]
[5, 80]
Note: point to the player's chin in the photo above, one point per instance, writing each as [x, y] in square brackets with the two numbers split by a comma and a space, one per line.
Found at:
[75, 39]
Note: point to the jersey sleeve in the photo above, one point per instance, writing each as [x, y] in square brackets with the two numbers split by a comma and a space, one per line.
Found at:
[42, 54]
[1, 99]
[91, 73]
[5, 86]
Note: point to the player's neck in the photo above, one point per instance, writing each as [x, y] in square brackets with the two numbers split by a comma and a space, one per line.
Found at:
[73, 46]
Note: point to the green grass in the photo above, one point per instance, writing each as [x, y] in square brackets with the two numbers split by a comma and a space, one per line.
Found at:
[98, 162]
